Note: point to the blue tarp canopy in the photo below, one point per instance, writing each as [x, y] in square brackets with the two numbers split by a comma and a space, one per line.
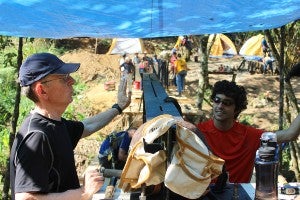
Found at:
[141, 18]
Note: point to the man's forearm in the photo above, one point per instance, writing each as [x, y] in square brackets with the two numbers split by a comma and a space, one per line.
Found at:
[291, 133]
[95, 123]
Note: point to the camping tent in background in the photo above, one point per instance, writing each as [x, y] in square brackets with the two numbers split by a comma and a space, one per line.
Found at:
[126, 45]
[252, 48]
[222, 47]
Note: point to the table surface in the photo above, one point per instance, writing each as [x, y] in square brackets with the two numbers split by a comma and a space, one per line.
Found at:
[246, 191]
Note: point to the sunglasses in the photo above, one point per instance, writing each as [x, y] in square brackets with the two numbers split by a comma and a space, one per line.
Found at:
[65, 78]
[225, 102]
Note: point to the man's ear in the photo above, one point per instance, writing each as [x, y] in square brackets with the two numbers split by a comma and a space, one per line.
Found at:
[40, 90]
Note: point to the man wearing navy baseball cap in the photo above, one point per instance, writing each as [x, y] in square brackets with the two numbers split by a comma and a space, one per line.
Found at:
[42, 161]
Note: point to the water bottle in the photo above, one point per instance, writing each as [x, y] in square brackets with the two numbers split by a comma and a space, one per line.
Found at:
[266, 167]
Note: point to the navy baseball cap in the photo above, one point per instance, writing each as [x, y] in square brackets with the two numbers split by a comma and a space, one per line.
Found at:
[39, 65]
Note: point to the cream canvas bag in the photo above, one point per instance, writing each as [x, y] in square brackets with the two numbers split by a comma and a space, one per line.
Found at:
[192, 167]
[142, 167]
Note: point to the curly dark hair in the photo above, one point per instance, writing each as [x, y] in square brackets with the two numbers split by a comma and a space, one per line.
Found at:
[234, 91]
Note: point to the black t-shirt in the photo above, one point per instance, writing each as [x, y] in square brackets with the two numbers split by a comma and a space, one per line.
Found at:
[42, 158]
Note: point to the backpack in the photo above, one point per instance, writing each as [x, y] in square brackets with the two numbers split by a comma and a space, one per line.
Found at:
[115, 140]
[111, 153]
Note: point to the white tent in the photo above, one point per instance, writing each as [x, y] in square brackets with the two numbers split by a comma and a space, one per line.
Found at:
[126, 45]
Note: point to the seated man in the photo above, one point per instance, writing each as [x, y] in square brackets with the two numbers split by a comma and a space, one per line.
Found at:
[114, 149]
[233, 141]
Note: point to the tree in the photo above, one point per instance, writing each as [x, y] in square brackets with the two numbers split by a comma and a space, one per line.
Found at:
[203, 83]
[6, 186]
[284, 43]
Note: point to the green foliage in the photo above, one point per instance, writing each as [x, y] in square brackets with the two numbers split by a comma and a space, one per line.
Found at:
[105, 42]
[7, 96]
[246, 119]
[79, 86]
[4, 146]
[7, 77]
[26, 106]
[72, 111]
[32, 46]
[286, 158]
[5, 41]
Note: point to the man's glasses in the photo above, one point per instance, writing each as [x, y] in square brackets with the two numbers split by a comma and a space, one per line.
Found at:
[65, 78]
[225, 102]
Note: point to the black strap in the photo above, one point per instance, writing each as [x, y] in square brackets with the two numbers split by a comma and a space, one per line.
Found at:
[221, 181]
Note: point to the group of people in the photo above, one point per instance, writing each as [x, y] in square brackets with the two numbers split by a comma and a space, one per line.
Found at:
[144, 63]
[137, 66]
[158, 65]
[42, 164]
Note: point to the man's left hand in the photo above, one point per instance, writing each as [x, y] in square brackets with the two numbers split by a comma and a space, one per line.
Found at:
[124, 99]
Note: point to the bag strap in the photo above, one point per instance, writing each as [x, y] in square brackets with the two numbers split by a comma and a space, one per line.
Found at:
[179, 153]
[223, 177]
[185, 145]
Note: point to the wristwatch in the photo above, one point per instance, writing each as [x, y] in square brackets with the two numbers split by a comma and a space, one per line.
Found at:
[118, 108]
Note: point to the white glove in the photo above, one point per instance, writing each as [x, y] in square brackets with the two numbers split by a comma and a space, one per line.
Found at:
[123, 99]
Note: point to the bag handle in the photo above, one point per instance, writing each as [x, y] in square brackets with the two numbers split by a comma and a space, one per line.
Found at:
[186, 170]
[210, 157]
[185, 145]
[208, 168]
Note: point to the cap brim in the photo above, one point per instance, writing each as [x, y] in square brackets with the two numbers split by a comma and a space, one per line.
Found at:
[67, 68]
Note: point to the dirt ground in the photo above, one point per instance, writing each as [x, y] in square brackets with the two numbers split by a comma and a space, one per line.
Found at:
[96, 69]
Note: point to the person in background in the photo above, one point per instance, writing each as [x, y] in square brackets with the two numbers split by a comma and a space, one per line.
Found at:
[163, 71]
[136, 61]
[143, 66]
[122, 58]
[114, 149]
[268, 63]
[149, 69]
[186, 42]
[232, 141]
[127, 70]
[181, 72]
[265, 46]
[155, 64]
[172, 64]
[42, 164]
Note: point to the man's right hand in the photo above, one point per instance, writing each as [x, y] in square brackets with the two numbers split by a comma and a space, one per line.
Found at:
[93, 181]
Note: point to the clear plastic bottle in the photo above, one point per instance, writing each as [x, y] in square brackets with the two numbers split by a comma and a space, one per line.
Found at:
[266, 167]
